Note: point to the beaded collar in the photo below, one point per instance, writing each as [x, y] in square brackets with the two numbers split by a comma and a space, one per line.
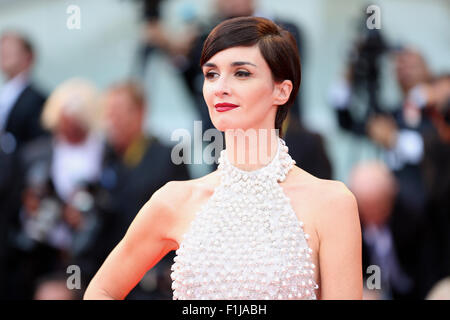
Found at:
[277, 169]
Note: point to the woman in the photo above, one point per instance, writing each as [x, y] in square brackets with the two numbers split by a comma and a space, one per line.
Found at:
[251, 229]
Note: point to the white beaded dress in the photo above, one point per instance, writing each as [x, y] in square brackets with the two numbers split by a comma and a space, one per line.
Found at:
[246, 242]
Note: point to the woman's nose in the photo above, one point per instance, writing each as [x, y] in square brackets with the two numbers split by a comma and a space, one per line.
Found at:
[222, 87]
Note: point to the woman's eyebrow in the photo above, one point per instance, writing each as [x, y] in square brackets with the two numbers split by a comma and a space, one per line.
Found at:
[234, 64]
[209, 64]
[241, 63]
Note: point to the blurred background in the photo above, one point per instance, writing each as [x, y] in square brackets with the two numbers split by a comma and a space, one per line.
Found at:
[91, 92]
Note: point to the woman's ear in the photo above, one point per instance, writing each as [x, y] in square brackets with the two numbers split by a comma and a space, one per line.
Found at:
[282, 92]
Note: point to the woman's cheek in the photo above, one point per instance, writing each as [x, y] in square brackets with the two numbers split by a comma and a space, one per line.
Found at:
[208, 95]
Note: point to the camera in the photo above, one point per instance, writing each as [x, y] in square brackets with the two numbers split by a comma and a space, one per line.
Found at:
[365, 62]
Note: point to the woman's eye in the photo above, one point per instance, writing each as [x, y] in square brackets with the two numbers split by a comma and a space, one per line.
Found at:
[243, 74]
[240, 74]
[210, 75]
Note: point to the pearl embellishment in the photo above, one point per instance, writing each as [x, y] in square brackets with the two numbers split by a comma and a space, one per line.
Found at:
[246, 242]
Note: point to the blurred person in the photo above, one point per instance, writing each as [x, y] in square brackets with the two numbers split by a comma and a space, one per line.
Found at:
[397, 133]
[412, 72]
[72, 113]
[135, 165]
[157, 37]
[411, 69]
[308, 148]
[390, 233]
[433, 100]
[20, 102]
[20, 109]
[54, 287]
[54, 169]
[235, 231]
[9, 205]
[130, 151]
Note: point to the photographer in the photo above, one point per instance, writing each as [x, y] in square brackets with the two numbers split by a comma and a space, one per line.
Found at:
[392, 131]
[398, 133]
[157, 37]
[357, 104]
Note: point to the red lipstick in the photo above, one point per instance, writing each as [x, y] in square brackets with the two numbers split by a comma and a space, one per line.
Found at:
[222, 107]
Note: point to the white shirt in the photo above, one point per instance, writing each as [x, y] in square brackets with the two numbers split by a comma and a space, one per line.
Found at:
[74, 164]
[9, 94]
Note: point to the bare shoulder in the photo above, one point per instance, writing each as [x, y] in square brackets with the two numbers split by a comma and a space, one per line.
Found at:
[330, 203]
[322, 191]
[164, 203]
[332, 192]
[178, 201]
[172, 194]
[338, 204]
[175, 194]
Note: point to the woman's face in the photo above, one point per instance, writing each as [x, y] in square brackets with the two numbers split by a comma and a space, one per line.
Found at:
[239, 90]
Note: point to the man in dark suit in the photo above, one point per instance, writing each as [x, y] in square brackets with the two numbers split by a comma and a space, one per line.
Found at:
[20, 103]
[20, 109]
[390, 234]
[135, 166]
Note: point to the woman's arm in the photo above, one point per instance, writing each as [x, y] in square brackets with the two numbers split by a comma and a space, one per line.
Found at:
[340, 246]
[143, 245]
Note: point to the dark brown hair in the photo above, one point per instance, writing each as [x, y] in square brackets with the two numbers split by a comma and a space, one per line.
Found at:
[277, 46]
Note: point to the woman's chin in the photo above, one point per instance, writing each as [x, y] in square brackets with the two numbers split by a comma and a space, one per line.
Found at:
[226, 125]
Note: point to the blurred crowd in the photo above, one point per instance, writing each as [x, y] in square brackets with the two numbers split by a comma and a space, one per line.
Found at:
[77, 165]
[403, 195]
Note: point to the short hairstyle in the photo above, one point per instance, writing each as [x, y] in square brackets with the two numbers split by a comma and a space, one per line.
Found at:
[277, 45]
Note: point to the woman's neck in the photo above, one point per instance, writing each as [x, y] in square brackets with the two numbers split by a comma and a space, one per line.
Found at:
[251, 149]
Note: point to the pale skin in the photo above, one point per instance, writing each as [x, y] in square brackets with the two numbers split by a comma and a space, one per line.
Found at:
[327, 208]
[15, 59]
